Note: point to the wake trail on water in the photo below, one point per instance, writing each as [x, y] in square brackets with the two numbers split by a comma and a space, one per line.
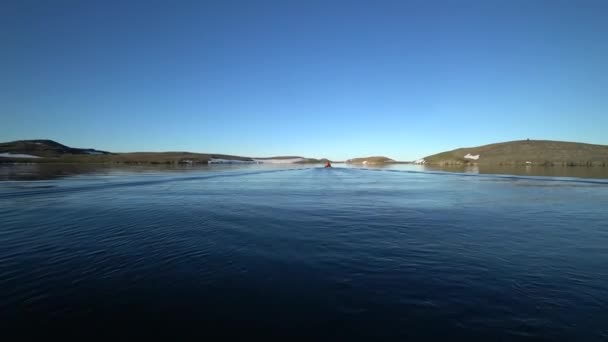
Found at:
[51, 190]
[104, 186]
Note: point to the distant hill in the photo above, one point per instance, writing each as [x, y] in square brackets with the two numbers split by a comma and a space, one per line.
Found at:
[370, 160]
[525, 152]
[44, 149]
[49, 151]
[291, 160]
[278, 158]
[314, 161]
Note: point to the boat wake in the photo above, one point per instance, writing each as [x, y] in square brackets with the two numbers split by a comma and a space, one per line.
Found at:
[51, 190]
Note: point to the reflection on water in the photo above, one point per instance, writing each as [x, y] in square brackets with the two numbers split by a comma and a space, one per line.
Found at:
[47, 171]
[541, 171]
[28, 172]
[544, 171]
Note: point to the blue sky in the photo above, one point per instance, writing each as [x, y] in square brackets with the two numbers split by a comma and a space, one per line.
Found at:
[335, 79]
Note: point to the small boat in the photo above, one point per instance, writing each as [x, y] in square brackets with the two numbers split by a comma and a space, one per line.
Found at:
[328, 164]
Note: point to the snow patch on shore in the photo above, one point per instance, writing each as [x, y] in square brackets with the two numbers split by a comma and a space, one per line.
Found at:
[279, 161]
[17, 155]
[230, 161]
[256, 161]
[470, 156]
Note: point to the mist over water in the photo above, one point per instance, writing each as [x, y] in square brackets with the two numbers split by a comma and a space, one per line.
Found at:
[304, 252]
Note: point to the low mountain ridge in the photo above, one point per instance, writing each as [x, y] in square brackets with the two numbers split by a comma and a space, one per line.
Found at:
[44, 148]
[49, 151]
[524, 152]
[370, 160]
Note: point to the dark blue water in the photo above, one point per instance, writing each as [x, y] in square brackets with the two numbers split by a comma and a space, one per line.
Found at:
[311, 253]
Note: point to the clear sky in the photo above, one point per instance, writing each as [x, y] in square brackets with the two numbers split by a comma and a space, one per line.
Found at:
[335, 79]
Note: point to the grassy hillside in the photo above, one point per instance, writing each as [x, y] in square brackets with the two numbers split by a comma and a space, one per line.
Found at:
[303, 160]
[50, 151]
[370, 160]
[278, 157]
[132, 158]
[314, 161]
[53, 152]
[526, 152]
[45, 149]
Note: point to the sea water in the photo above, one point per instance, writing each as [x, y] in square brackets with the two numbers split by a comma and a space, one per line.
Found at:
[304, 252]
